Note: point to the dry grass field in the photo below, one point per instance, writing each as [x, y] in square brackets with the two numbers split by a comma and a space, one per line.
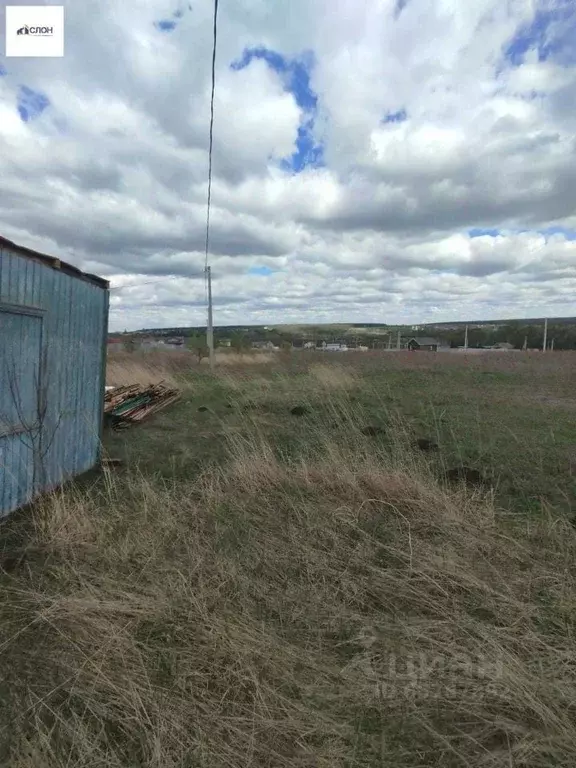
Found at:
[285, 571]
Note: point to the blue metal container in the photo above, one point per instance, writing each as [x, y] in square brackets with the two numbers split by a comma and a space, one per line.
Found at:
[53, 332]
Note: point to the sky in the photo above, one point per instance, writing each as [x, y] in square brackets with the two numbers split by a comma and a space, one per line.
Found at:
[394, 161]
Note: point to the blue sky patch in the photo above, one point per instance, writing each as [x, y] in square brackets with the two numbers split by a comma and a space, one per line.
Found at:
[260, 271]
[295, 76]
[31, 103]
[399, 7]
[166, 25]
[396, 117]
[169, 25]
[569, 234]
[552, 33]
[308, 153]
[295, 73]
[483, 232]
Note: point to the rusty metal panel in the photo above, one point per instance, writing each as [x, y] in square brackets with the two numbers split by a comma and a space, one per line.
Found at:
[53, 328]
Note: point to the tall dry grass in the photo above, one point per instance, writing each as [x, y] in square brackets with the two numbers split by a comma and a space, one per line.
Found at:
[147, 368]
[154, 366]
[340, 611]
[229, 358]
[333, 376]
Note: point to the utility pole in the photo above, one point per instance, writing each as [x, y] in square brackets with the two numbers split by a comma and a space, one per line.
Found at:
[525, 345]
[210, 326]
[398, 342]
[552, 346]
[545, 335]
[466, 338]
[390, 340]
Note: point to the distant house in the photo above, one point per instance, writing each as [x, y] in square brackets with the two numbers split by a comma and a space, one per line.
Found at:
[152, 343]
[309, 345]
[503, 345]
[267, 345]
[335, 347]
[423, 344]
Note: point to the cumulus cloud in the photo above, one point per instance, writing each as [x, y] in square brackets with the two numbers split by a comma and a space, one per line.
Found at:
[391, 160]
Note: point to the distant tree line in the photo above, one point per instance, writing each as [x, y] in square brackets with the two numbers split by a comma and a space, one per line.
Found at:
[241, 338]
[515, 333]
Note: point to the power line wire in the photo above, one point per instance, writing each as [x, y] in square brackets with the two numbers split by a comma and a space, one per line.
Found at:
[155, 281]
[210, 146]
[215, 37]
[207, 271]
[138, 285]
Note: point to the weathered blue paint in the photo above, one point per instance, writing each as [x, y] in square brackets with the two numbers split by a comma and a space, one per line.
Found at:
[53, 327]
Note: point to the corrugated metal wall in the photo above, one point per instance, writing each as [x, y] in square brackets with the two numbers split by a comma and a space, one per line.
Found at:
[53, 330]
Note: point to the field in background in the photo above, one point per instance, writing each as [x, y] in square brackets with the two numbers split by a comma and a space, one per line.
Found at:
[262, 587]
[511, 417]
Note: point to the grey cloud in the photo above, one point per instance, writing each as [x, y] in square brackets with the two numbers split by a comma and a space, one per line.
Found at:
[123, 190]
[425, 211]
[484, 268]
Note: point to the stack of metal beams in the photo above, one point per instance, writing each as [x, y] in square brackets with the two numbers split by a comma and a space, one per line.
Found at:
[130, 404]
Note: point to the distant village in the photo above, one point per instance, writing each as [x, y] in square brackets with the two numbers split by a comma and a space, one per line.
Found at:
[414, 343]
[501, 336]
